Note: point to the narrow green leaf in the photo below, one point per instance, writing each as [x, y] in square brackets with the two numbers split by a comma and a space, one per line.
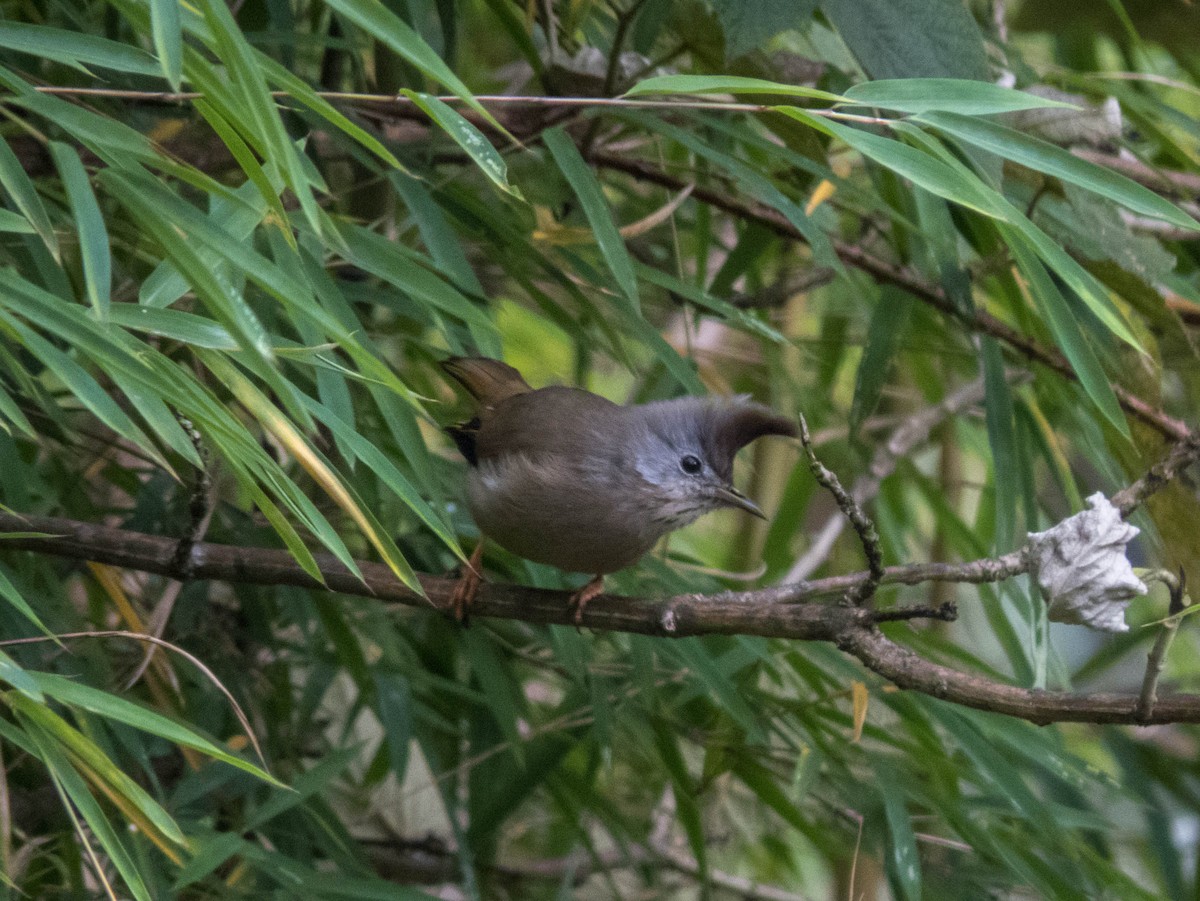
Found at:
[954, 95]
[998, 410]
[85, 388]
[20, 679]
[1049, 159]
[102, 703]
[75, 48]
[725, 84]
[686, 807]
[299, 90]
[87, 752]
[245, 158]
[15, 223]
[747, 177]
[387, 472]
[89, 223]
[888, 324]
[1067, 333]
[10, 593]
[920, 168]
[903, 862]
[167, 32]
[377, 20]
[74, 792]
[191, 329]
[409, 272]
[246, 82]
[469, 138]
[24, 196]
[591, 196]
[494, 679]
[701, 298]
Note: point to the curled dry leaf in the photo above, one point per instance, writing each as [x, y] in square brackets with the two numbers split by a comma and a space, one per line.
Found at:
[1081, 567]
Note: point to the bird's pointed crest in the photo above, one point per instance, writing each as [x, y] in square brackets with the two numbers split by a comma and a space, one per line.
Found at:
[731, 425]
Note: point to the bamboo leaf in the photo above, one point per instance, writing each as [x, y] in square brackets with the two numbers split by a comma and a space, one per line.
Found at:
[167, 30]
[725, 84]
[469, 138]
[89, 223]
[952, 95]
[1042, 156]
[591, 197]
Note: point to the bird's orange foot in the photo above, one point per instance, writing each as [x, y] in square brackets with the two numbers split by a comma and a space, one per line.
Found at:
[467, 586]
[580, 598]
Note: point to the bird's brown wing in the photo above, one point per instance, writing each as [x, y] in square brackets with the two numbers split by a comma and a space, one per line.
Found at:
[550, 422]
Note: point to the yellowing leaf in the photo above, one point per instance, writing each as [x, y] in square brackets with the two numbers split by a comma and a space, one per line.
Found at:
[858, 699]
[820, 194]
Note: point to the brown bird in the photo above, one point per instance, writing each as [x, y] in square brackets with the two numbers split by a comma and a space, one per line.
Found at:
[565, 477]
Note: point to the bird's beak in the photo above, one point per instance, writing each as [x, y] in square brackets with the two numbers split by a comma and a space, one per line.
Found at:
[731, 497]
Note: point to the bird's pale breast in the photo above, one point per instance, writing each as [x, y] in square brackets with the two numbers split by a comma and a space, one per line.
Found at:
[552, 511]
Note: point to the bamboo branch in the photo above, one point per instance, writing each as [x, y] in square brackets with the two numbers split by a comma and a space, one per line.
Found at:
[771, 612]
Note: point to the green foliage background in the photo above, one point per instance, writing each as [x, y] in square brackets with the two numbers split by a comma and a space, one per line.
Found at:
[282, 269]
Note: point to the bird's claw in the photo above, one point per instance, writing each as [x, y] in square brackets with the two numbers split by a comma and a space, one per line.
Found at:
[580, 599]
[467, 587]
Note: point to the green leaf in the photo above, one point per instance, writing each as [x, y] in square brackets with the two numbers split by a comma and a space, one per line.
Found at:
[953, 95]
[888, 324]
[102, 768]
[24, 196]
[300, 91]
[595, 207]
[377, 20]
[14, 597]
[167, 32]
[74, 793]
[686, 806]
[920, 168]
[245, 158]
[75, 48]
[1067, 333]
[748, 24]
[16, 676]
[89, 223]
[725, 84]
[469, 138]
[911, 38]
[1049, 159]
[998, 409]
[197, 331]
[14, 223]
[247, 86]
[102, 703]
[903, 862]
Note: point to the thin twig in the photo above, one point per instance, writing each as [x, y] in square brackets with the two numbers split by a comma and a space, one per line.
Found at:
[1156, 660]
[1180, 457]
[861, 594]
[912, 431]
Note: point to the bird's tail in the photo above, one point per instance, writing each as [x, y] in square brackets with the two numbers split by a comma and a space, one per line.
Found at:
[488, 381]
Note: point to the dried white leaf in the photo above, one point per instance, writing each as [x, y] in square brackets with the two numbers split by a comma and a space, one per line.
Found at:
[1081, 567]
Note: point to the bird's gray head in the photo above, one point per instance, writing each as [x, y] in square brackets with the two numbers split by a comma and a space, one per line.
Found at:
[685, 449]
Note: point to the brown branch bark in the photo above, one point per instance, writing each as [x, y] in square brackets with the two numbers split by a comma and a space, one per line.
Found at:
[771, 612]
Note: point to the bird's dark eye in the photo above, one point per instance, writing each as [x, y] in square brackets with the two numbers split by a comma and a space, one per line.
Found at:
[691, 465]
